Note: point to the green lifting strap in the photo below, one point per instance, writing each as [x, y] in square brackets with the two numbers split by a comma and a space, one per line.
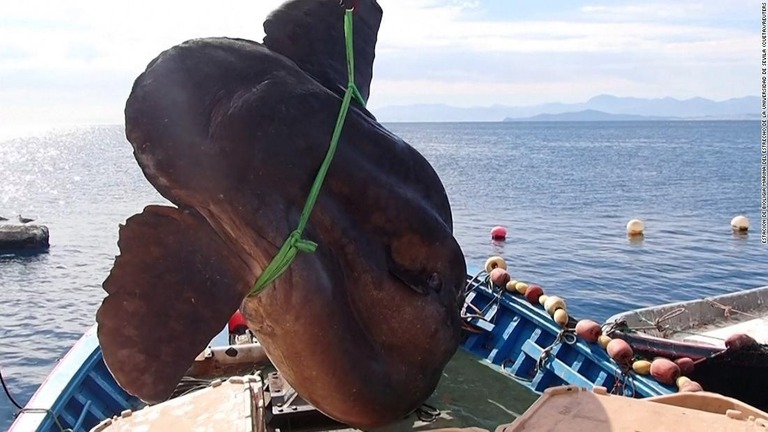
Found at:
[294, 243]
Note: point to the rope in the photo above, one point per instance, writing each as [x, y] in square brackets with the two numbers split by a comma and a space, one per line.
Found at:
[566, 336]
[654, 325]
[610, 327]
[498, 294]
[728, 309]
[657, 323]
[294, 243]
[31, 410]
[621, 325]
[475, 282]
[622, 377]
[8, 392]
[503, 368]
[427, 413]
[471, 329]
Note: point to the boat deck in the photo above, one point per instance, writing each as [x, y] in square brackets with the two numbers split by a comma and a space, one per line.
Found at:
[250, 404]
[716, 334]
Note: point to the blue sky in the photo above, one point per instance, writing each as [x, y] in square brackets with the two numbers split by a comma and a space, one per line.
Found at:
[73, 62]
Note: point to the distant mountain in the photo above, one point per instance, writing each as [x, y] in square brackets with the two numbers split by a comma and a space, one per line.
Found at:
[670, 107]
[689, 109]
[588, 115]
[441, 113]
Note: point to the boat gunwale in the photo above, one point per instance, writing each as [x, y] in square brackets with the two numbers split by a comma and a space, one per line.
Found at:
[753, 299]
[55, 389]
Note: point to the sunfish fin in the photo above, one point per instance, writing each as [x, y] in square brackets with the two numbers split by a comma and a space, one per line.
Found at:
[311, 33]
[171, 290]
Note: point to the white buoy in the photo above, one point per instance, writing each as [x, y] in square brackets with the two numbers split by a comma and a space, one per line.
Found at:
[740, 223]
[635, 227]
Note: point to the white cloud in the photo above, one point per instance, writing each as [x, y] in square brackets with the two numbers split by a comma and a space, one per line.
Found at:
[643, 11]
[76, 60]
[646, 50]
[680, 10]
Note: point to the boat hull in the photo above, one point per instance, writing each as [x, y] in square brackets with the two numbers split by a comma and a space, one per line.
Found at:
[522, 340]
[77, 394]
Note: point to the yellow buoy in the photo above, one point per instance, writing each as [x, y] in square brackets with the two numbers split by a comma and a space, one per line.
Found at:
[643, 367]
[521, 287]
[682, 381]
[543, 299]
[635, 227]
[511, 286]
[495, 262]
[740, 223]
[603, 340]
[561, 317]
[553, 303]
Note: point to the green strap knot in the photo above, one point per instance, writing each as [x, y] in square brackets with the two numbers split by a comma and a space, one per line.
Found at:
[300, 244]
[294, 243]
[292, 246]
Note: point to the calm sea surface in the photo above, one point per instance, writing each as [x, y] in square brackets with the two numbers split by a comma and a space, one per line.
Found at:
[565, 191]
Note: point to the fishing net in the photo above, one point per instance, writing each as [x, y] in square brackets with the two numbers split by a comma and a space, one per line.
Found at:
[741, 374]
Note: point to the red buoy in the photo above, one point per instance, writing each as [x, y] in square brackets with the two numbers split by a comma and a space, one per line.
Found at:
[498, 233]
[237, 322]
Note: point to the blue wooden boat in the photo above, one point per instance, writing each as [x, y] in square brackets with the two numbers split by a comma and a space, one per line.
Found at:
[522, 340]
[78, 394]
[514, 336]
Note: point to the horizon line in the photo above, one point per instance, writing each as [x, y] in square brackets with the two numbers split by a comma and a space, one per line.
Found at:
[571, 103]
